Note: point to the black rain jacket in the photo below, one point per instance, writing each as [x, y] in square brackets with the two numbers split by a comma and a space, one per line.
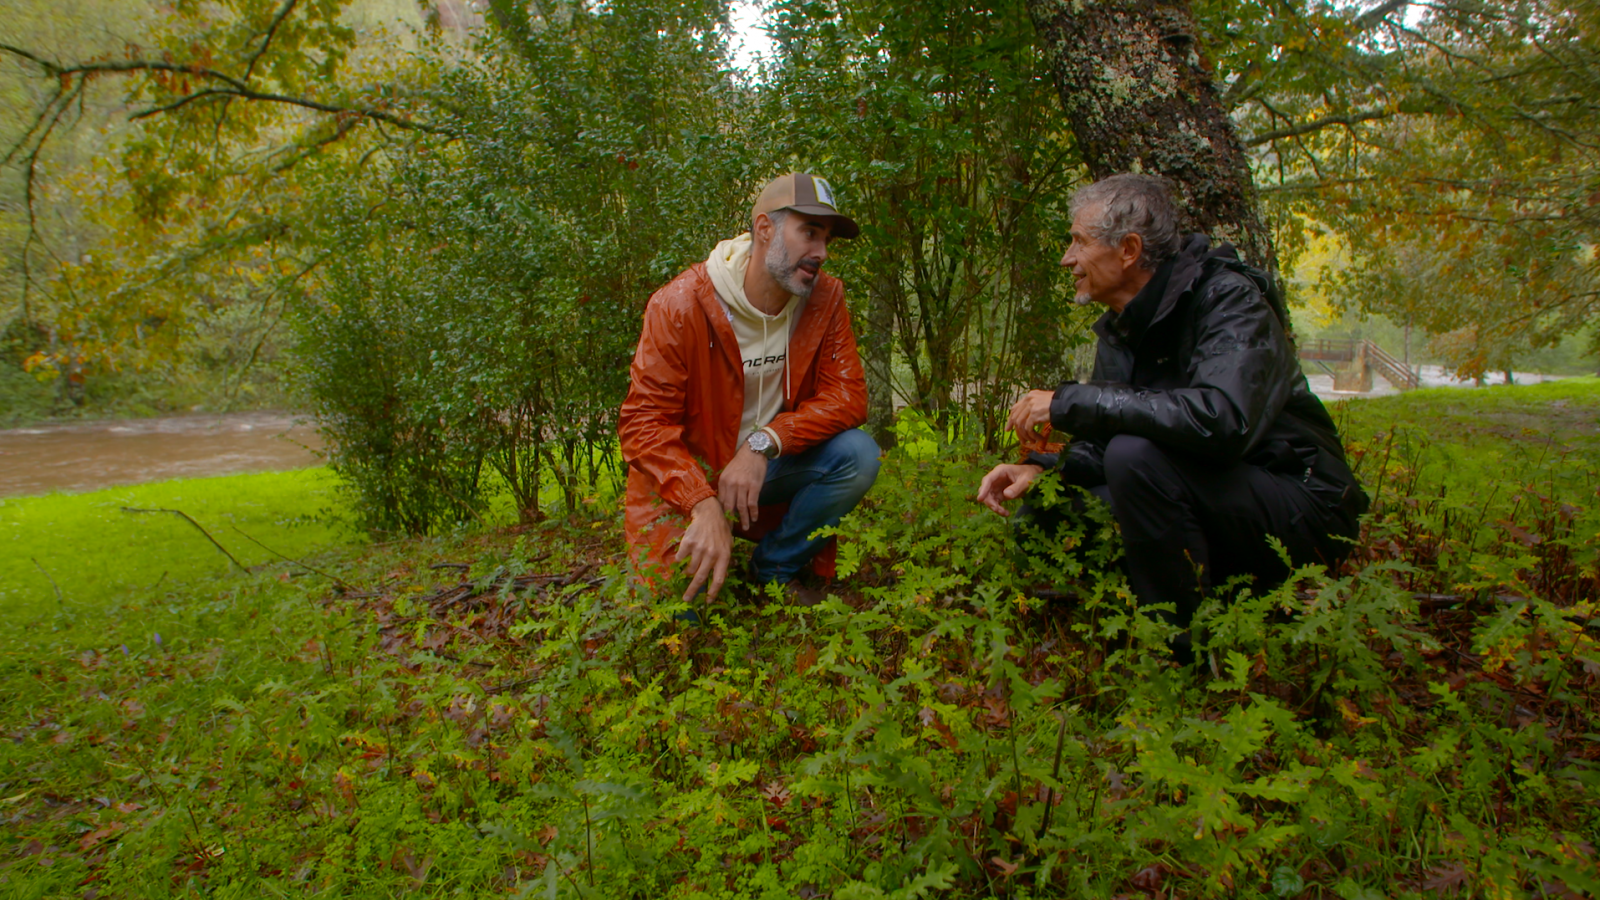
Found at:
[1207, 371]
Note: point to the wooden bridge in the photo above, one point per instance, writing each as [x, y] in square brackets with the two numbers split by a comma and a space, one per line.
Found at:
[1360, 358]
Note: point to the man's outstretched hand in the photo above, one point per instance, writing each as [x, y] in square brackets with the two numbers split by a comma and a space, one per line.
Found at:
[707, 546]
[739, 485]
[1030, 414]
[1007, 481]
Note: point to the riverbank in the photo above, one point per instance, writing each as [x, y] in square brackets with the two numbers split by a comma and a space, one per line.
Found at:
[501, 713]
[1428, 377]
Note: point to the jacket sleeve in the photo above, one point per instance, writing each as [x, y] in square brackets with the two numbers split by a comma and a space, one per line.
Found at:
[650, 425]
[840, 401]
[1081, 463]
[1237, 383]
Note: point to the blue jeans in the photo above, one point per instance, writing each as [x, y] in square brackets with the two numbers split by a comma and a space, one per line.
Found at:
[820, 486]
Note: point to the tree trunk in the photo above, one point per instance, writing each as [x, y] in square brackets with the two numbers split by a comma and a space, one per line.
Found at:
[1138, 96]
[877, 340]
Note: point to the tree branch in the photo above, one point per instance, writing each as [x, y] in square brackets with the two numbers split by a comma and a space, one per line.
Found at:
[53, 111]
[272, 30]
[235, 87]
[1249, 83]
[1317, 125]
[1372, 17]
[181, 102]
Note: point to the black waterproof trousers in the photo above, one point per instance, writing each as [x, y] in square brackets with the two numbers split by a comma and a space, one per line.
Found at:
[1189, 524]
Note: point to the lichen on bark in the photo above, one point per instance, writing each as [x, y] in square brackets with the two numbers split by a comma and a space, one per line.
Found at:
[1138, 96]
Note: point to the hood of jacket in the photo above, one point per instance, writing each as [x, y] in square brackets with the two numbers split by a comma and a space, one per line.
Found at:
[726, 267]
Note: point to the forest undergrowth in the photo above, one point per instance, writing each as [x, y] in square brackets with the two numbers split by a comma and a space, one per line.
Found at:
[508, 714]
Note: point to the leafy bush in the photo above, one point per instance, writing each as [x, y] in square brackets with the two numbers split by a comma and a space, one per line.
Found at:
[487, 322]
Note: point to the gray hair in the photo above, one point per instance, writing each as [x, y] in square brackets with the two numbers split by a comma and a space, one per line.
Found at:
[1132, 204]
[776, 216]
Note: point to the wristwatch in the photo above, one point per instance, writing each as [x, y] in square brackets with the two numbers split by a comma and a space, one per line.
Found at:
[762, 443]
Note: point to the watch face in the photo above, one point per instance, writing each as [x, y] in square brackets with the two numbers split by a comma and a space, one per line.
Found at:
[761, 442]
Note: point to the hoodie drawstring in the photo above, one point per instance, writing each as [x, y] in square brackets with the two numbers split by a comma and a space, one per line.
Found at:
[761, 383]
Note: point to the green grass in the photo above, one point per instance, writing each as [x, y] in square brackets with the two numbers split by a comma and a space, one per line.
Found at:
[931, 732]
[95, 553]
[1492, 422]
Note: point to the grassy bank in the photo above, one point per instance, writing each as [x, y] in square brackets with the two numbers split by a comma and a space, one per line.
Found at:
[75, 554]
[503, 714]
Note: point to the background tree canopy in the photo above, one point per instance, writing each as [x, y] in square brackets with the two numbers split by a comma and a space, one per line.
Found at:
[449, 214]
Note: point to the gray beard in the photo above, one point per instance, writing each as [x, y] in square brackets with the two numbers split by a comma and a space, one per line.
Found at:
[782, 268]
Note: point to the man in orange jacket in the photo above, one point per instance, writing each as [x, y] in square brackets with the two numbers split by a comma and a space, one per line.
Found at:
[745, 393]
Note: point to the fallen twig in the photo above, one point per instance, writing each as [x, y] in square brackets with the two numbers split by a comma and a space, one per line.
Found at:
[190, 519]
[508, 686]
[336, 579]
[59, 598]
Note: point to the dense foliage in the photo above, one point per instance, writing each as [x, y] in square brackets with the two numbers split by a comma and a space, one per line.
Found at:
[458, 217]
[505, 714]
[942, 131]
[1450, 147]
[481, 310]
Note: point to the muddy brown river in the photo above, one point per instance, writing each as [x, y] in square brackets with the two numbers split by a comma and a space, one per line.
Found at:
[85, 456]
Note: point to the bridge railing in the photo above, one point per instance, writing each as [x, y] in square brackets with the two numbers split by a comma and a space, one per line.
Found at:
[1399, 374]
[1329, 349]
[1349, 349]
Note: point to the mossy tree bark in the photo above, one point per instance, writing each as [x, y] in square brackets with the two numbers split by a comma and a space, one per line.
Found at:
[1138, 97]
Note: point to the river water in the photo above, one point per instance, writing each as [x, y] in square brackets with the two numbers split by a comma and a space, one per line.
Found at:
[85, 456]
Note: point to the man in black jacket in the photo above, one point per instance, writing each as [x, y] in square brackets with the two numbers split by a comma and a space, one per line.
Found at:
[1198, 427]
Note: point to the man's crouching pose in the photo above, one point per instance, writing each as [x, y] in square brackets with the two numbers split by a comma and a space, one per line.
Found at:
[746, 394]
[1198, 426]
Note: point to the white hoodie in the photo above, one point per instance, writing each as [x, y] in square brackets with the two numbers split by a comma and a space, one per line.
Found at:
[763, 339]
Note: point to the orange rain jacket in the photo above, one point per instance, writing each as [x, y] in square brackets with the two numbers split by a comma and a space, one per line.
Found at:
[679, 425]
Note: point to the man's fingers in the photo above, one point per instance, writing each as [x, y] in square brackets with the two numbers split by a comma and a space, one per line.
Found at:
[694, 585]
[988, 489]
[993, 503]
[746, 504]
[718, 576]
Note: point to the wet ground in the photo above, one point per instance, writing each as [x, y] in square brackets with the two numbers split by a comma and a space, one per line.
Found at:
[85, 456]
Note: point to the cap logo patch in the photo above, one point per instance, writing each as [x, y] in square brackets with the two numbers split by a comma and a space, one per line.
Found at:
[824, 191]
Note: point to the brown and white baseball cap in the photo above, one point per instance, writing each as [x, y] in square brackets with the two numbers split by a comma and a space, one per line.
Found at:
[805, 194]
